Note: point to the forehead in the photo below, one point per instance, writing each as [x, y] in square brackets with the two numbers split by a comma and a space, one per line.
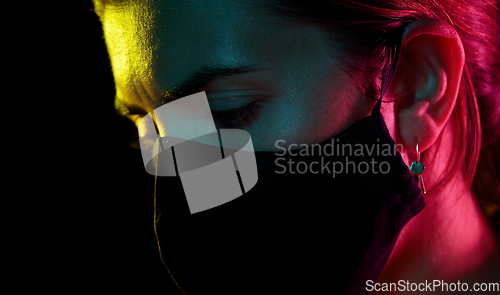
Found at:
[197, 33]
[167, 40]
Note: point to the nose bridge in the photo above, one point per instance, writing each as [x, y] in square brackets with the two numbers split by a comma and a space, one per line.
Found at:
[183, 124]
[185, 119]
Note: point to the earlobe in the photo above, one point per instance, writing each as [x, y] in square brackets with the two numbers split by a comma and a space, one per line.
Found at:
[427, 81]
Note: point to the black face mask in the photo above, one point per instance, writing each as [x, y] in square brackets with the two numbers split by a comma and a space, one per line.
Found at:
[317, 230]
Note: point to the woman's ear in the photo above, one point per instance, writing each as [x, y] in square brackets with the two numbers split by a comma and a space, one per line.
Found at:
[426, 82]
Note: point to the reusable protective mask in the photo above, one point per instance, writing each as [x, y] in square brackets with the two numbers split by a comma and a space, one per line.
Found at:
[319, 220]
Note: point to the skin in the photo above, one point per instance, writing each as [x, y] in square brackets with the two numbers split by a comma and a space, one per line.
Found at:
[300, 79]
[306, 98]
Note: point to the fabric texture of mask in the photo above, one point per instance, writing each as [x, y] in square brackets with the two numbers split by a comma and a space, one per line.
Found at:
[318, 231]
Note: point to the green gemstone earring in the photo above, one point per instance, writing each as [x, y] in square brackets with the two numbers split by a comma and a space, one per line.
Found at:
[417, 168]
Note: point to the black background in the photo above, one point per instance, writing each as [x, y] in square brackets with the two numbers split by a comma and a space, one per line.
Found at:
[106, 221]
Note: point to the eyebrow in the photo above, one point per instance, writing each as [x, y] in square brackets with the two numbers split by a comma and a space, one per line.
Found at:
[196, 81]
[193, 84]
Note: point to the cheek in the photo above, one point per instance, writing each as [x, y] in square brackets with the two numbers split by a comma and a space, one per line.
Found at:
[313, 110]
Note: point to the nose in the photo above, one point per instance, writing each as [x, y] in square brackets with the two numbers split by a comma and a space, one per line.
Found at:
[208, 178]
[186, 119]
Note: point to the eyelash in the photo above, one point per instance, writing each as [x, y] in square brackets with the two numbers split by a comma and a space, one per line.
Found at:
[237, 117]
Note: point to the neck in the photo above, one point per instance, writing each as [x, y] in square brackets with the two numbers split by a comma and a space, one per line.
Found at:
[448, 240]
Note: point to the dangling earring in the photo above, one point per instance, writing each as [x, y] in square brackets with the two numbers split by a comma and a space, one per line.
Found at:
[417, 168]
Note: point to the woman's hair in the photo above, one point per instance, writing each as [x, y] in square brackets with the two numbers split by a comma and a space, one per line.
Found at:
[361, 31]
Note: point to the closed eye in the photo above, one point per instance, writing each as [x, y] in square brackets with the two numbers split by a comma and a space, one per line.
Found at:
[239, 117]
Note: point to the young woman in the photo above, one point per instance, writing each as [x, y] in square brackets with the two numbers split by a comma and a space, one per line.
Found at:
[306, 71]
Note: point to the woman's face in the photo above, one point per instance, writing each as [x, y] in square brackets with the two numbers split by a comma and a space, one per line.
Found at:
[284, 79]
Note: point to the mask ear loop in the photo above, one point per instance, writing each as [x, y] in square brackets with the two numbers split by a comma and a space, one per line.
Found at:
[394, 50]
